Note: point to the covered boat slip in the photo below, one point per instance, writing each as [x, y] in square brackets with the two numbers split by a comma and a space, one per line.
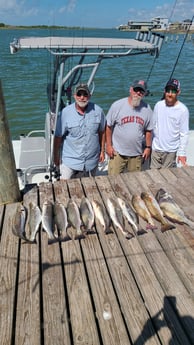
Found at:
[102, 289]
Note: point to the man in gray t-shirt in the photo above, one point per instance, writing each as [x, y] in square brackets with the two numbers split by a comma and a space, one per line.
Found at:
[129, 131]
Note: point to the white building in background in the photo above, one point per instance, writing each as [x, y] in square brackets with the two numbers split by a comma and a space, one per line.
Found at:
[157, 23]
[160, 23]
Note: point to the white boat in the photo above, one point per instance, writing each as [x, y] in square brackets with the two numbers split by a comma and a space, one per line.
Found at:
[34, 151]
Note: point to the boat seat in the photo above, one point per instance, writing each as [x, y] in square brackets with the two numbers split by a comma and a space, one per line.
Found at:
[33, 152]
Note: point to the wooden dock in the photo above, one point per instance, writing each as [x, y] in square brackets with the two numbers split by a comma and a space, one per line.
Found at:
[103, 289]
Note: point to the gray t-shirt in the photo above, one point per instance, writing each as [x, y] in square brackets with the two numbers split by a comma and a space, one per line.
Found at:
[129, 126]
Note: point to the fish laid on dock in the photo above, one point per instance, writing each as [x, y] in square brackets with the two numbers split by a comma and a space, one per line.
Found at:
[47, 218]
[131, 216]
[171, 210]
[156, 211]
[60, 218]
[142, 210]
[116, 215]
[34, 220]
[87, 214]
[101, 215]
[74, 219]
[19, 222]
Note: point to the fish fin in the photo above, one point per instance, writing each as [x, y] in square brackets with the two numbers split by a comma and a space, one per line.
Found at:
[108, 231]
[129, 235]
[71, 233]
[141, 232]
[167, 227]
[90, 231]
[80, 236]
[151, 227]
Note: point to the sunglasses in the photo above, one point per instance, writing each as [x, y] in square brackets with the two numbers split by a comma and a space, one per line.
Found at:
[138, 89]
[171, 91]
[82, 93]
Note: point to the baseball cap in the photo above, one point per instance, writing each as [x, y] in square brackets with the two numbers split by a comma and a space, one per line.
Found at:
[82, 87]
[141, 84]
[175, 83]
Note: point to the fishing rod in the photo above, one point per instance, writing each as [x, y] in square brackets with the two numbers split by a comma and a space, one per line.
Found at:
[187, 32]
[176, 62]
[153, 64]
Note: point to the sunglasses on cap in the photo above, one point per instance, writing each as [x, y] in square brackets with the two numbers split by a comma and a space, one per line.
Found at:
[138, 89]
[170, 90]
[82, 93]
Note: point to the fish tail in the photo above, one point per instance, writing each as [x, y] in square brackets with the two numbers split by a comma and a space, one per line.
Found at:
[151, 227]
[190, 224]
[108, 231]
[167, 227]
[141, 232]
[129, 235]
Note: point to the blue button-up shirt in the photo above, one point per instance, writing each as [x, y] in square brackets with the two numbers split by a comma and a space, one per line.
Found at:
[81, 146]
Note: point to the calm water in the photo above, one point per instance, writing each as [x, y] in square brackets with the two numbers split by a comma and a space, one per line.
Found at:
[25, 75]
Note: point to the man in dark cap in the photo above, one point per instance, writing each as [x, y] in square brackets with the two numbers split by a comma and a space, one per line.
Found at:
[129, 131]
[171, 129]
[79, 142]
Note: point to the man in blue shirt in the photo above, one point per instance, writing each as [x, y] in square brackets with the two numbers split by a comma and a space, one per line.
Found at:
[79, 143]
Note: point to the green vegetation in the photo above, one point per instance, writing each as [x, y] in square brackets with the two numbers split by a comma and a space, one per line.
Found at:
[6, 26]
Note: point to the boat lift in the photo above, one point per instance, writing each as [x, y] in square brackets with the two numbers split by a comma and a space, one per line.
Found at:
[34, 154]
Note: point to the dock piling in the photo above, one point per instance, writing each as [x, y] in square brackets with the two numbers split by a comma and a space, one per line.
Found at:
[9, 186]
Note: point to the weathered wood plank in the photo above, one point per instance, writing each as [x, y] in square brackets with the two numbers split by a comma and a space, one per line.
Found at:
[171, 281]
[130, 300]
[9, 247]
[177, 244]
[1, 216]
[81, 313]
[28, 329]
[108, 313]
[55, 321]
[148, 283]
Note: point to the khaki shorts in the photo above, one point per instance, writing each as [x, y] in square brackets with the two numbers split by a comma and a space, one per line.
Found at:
[120, 164]
[163, 160]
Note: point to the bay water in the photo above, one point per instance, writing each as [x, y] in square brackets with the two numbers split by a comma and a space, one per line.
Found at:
[25, 75]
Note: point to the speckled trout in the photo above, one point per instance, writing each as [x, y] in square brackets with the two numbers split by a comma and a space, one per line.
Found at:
[131, 216]
[74, 219]
[87, 214]
[34, 220]
[19, 222]
[47, 218]
[101, 215]
[60, 218]
[116, 215]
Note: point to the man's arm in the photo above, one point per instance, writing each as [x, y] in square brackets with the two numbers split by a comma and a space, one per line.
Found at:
[148, 145]
[109, 148]
[102, 136]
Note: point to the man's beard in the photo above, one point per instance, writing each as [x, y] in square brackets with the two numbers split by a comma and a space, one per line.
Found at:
[135, 101]
[82, 104]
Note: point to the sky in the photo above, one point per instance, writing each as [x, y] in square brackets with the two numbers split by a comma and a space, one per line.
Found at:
[91, 13]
